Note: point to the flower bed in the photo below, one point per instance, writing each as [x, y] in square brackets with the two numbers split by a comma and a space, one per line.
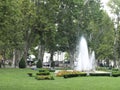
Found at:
[68, 74]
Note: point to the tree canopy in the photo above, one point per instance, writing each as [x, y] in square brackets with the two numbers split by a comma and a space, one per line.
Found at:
[54, 25]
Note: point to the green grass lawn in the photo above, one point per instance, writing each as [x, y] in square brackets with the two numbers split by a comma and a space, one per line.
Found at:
[17, 79]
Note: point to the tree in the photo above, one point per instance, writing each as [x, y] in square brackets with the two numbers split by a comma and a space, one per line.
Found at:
[45, 26]
[10, 34]
[115, 9]
[28, 11]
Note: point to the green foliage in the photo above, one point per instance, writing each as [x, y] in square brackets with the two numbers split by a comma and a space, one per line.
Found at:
[39, 64]
[22, 63]
[115, 72]
[115, 69]
[44, 77]
[43, 70]
[67, 74]
[43, 73]
[28, 23]
[115, 9]
[67, 56]
[46, 69]
[30, 74]
[74, 75]
[102, 68]
[100, 74]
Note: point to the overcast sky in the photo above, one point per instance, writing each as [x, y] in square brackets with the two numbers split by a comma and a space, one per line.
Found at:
[105, 4]
[107, 8]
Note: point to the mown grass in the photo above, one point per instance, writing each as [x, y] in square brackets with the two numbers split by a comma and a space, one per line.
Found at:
[17, 79]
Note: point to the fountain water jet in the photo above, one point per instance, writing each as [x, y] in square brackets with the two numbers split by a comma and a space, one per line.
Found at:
[84, 62]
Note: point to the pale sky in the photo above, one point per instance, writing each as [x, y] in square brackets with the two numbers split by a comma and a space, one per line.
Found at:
[105, 4]
[107, 8]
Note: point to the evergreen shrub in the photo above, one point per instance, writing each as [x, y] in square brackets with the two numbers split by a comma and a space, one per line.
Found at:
[39, 64]
[22, 63]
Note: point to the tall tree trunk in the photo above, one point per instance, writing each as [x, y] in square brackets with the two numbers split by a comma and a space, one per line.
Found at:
[13, 61]
[4, 58]
[115, 53]
[72, 59]
[51, 59]
[16, 58]
[26, 45]
[26, 52]
[41, 50]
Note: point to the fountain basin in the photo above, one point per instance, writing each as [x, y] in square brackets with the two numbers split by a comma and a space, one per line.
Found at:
[99, 73]
[91, 73]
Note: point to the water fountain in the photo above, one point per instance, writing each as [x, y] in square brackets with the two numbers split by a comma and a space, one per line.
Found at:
[84, 61]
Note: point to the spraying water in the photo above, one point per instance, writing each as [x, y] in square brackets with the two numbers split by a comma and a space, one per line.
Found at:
[84, 61]
[92, 61]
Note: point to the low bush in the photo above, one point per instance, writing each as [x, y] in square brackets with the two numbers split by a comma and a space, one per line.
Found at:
[115, 73]
[43, 73]
[44, 77]
[99, 74]
[51, 70]
[74, 75]
[22, 63]
[83, 74]
[115, 69]
[70, 75]
[39, 64]
[46, 69]
[43, 70]
[30, 74]
[62, 73]
[67, 74]
[102, 69]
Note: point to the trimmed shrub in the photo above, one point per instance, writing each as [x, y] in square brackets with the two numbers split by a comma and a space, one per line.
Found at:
[30, 74]
[44, 77]
[43, 70]
[62, 73]
[67, 74]
[22, 63]
[43, 73]
[46, 69]
[83, 74]
[102, 69]
[51, 70]
[99, 74]
[115, 73]
[115, 69]
[39, 64]
[74, 75]
[70, 75]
